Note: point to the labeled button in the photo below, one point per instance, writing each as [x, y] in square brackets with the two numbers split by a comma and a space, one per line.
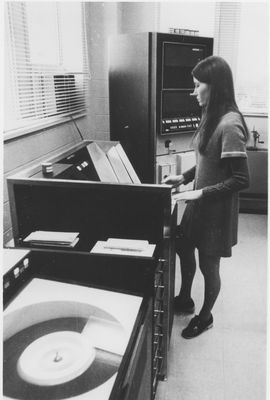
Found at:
[6, 284]
[16, 272]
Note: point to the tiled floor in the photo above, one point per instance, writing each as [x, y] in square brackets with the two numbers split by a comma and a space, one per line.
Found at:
[228, 362]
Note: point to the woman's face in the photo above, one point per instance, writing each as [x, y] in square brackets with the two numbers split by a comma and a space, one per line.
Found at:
[201, 91]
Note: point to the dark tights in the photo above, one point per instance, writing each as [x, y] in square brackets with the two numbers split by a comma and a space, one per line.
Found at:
[209, 266]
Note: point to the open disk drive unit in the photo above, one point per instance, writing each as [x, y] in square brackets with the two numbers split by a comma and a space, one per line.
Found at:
[83, 325]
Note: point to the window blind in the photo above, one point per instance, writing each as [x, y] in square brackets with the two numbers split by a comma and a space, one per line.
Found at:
[241, 38]
[46, 63]
[226, 35]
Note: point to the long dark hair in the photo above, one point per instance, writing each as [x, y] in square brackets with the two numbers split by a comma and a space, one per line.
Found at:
[216, 72]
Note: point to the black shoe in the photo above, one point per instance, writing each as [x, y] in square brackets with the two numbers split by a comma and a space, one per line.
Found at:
[197, 326]
[185, 308]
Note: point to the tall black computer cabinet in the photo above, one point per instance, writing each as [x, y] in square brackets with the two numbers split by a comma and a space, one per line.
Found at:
[152, 111]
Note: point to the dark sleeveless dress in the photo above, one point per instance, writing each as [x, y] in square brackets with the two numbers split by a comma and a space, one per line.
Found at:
[211, 222]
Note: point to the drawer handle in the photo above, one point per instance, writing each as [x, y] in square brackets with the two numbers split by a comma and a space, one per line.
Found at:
[160, 272]
[162, 260]
[6, 284]
[157, 341]
[158, 334]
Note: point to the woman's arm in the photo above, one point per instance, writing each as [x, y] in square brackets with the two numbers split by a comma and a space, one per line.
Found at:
[184, 178]
[238, 180]
[189, 175]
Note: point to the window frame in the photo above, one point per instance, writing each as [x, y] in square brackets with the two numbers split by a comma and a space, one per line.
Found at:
[30, 130]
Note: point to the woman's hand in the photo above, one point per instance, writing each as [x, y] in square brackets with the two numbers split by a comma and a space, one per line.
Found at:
[174, 180]
[188, 195]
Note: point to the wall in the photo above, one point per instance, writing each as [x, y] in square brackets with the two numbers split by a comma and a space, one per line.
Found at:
[138, 17]
[103, 21]
[197, 15]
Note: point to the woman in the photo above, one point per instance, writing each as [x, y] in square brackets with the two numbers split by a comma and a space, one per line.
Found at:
[210, 219]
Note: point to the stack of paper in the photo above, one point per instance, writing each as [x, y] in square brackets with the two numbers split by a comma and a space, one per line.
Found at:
[130, 247]
[49, 238]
